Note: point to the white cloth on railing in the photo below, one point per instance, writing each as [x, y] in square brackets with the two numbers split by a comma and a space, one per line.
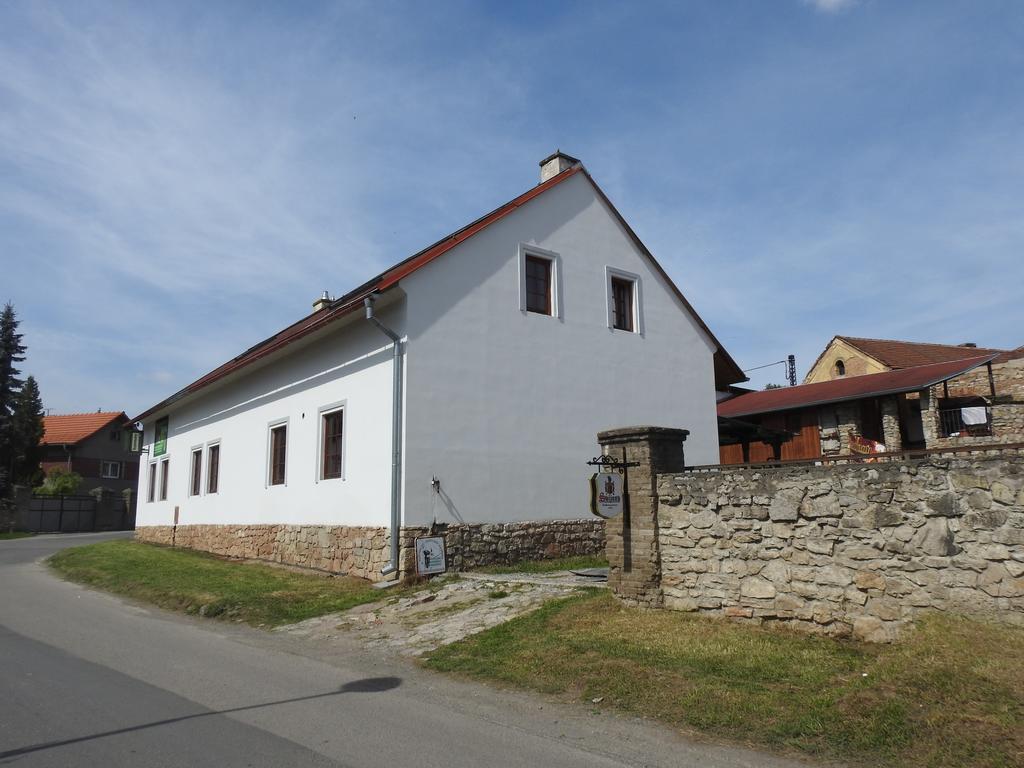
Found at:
[976, 414]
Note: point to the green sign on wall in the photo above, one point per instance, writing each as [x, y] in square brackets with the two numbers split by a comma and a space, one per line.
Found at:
[160, 444]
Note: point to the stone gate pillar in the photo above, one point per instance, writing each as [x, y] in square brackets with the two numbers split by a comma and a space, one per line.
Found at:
[632, 537]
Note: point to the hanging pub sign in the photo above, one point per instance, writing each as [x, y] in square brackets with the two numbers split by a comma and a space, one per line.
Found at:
[160, 441]
[606, 493]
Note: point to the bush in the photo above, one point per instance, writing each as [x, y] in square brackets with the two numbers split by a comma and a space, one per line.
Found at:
[60, 482]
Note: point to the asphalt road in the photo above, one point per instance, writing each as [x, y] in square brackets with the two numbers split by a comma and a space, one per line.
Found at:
[88, 679]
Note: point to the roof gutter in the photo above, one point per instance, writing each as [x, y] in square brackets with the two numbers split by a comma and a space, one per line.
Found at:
[396, 435]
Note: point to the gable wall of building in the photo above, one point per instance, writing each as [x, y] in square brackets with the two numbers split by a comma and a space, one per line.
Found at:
[855, 361]
[504, 404]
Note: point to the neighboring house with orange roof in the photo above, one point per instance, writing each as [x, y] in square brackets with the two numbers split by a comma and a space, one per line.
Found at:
[869, 395]
[95, 445]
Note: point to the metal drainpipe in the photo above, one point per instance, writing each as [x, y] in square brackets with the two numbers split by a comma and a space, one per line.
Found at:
[396, 435]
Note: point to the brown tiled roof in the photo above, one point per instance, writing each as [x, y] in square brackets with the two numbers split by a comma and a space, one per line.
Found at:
[907, 354]
[851, 388]
[726, 369]
[70, 428]
[1013, 354]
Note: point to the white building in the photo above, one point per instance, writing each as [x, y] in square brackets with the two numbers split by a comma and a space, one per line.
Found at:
[522, 335]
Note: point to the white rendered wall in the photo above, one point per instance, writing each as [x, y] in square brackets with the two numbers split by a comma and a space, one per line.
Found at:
[504, 405]
[332, 369]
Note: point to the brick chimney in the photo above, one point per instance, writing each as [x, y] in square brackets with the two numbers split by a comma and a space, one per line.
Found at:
[555, 164]
[323, 302]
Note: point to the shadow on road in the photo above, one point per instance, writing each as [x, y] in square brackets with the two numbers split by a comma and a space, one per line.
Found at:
[364, 685]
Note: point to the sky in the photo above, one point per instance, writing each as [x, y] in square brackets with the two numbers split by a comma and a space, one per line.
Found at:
[179, 180]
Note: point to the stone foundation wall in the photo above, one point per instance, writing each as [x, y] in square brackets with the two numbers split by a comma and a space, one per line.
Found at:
[364, 551]
[855, 549]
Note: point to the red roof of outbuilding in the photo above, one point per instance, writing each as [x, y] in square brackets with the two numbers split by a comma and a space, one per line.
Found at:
[852, 388]
[908, 354]
[726, 369]
[70, 428]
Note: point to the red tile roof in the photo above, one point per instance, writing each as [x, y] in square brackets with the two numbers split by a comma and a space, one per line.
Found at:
[726, 369]
[852, 388]
[1013, 354]
[907, 354]
[70, 428]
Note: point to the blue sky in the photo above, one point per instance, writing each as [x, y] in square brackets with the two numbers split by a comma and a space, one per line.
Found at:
[180, 180]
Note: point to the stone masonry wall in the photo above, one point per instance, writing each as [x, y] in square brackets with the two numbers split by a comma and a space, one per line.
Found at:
[855, 549]
[364, 551]
[835, 423]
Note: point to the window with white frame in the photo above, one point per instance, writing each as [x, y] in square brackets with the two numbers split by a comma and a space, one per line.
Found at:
[332, 430]
[277, 454]
[110, 470]
[195, 486]
[165, 470]
[539, 281]
[625, 311]
[212, 467]
[151, 492]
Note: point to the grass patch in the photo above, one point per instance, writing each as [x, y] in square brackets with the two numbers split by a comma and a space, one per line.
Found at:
[14, 535]
[195, 582]
[950, 696]
[497, 594]
[575, 563]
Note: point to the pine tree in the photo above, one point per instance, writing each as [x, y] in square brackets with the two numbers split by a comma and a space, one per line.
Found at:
[12, 352]
[27, 433]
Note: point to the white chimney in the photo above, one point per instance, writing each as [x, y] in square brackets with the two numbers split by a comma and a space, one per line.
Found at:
[554, 164]
[323, 302]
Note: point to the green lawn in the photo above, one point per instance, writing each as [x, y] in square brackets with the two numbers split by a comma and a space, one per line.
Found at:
[574, 563]
[14, 535]
[951, 695]
[196, 582]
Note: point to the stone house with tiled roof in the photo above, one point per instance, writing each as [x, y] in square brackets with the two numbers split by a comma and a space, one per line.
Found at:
[874, 395]
[951, 412]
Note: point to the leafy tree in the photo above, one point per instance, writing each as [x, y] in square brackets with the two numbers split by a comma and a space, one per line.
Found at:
[60, 482]
[772, 386]
[27, 433]
[12, 352]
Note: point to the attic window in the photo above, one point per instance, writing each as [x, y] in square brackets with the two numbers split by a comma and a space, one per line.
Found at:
[625, 301]
[540, 275]
[538, 285]
[840, 368]
[622, 304]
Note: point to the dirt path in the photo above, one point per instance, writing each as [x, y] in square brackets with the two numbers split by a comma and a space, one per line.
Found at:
[457, 608]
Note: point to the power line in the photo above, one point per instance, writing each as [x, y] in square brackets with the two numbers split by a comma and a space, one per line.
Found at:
[766, 365]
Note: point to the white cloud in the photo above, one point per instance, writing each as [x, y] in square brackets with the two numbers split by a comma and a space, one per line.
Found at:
[831, 6]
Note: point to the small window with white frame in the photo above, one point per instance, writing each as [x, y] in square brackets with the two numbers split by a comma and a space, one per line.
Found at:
[540, 276]
[195, 486]
[625, 311]
[151, 490]
[332, 443]
[212, 467]
[277, 454]
[110, 470]
[165, 470]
